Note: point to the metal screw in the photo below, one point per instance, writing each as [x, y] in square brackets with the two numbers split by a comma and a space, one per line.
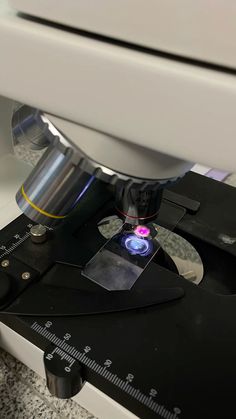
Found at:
[5, 263]
[25, 275]
[38, 233]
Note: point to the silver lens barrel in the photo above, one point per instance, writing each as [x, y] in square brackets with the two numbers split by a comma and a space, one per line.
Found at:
[54, 187]
[58, 181]
[138, 205]
[28, 127]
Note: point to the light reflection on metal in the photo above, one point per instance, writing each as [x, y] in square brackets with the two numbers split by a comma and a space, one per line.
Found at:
[83, 191]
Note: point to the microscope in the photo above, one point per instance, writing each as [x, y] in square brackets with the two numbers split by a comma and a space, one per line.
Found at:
[117, 262]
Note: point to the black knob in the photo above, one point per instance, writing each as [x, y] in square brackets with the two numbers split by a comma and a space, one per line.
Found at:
[63, 373]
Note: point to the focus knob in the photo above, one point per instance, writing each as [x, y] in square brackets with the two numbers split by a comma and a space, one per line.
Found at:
[63, 373]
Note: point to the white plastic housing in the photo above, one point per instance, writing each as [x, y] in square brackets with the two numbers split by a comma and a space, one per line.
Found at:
[175, 108]
[202, 29]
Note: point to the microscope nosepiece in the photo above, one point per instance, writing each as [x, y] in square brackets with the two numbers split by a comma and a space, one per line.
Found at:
[67, 168]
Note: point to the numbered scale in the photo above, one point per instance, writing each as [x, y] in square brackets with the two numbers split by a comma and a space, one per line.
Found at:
[63, 364]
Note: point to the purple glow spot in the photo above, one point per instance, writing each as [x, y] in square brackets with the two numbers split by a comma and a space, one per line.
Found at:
[137, 245]
[142, 231]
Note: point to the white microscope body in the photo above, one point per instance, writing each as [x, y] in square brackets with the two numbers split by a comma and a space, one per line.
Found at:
[165, 85]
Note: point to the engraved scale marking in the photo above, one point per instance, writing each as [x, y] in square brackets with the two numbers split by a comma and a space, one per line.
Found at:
[122, 384]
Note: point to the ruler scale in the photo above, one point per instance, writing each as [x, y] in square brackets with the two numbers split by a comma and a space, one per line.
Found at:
[92, 364]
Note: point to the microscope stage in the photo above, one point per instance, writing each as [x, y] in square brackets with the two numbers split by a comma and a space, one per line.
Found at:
[155, 358]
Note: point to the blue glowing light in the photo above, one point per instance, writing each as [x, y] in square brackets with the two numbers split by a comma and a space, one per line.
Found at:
[137, 245]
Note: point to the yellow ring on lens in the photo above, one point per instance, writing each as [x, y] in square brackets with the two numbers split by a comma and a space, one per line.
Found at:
[47, 214]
